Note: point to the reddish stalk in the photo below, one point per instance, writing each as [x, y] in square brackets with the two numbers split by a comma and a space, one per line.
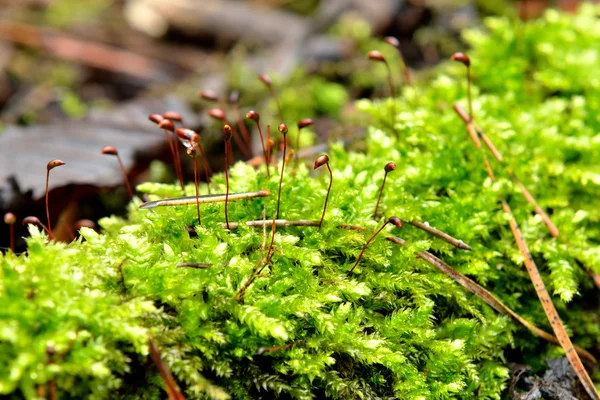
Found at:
[109, 150]
[158, 119]
[303, 123]
[464, 59]
[392, 220]
[254, 116]
[270, 144]
[191, 151]
[389, 167]
[266, 79]
[195, 141]
[10, 219]
[35, 221]
[169, 126]
[392, 41]
[51, 165]
[220, 115]
[284, 130]
[176, 117]
[227, 133]
[375, 55]
[165, 374]
[320, 161]
[189, 138]
[234, 97]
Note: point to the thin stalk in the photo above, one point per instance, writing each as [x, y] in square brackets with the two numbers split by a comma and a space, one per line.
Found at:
[281, 177]
[227, 144]
[365, 247]
[262, 142]
[326, 197]
[50, 235]
[241, 126]
[12, 237]
[196, 186]
[204, 164]
[125, 176]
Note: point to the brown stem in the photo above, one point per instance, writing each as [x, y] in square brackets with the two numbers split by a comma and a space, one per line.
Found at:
[269, 145]
[326, 197]
[227, 144]
[392, 90]
[165, 374]
[469, 92]
[365, 247]
[281, 177]
[125, 176]
[274, 95]
[12, 237]
[262, 142]
[241, 126]
[178, 162]
[196, 186]
[380, 193]
[176, 165]
[205, 165]
[50, 235]
[242, 146]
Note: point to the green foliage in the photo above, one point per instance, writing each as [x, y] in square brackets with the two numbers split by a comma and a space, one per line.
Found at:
[397, 327]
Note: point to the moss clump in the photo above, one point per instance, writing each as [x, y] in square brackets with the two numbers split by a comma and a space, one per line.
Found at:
[396, 327]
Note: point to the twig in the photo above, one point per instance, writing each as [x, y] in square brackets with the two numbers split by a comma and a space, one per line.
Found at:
[488, 297]
[194, 265]
[278, 223]
[210, 198]
[441, 235]
[239, 296]
[498, 156]
[264, 350]
[165, 374]
[544, 296]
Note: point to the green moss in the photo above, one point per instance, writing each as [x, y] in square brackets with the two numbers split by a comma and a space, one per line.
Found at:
[396, 327]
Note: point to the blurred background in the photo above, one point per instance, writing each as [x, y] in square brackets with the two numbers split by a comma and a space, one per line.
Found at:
[77, 75]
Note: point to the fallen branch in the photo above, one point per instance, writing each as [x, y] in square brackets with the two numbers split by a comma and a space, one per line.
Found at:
[441, 235]
[488, 297]
[544, 296]
[498, 156]
[278, 223]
